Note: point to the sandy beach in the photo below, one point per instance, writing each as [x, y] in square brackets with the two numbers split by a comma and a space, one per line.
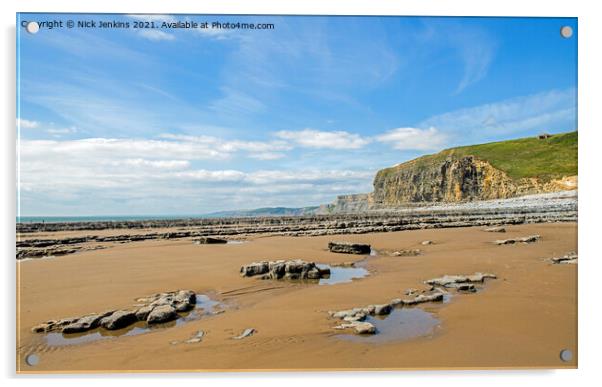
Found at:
[522, 319]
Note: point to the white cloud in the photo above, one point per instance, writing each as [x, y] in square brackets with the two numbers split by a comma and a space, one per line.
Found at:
[58, 132]
[311, 138]
[256, 149]
[156, 164]
[413, 139]
[536, 111]
[27, 124]
[157, 18]
[130, 175]
[155, 35]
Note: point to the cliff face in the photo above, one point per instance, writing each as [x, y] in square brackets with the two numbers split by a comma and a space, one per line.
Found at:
[497, 170]
[455, 180]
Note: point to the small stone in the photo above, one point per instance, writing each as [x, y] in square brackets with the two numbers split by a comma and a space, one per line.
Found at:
[246, 333]
[426, 243]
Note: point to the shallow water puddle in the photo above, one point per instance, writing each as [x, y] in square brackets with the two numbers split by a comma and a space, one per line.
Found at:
[204, 307]
[401, 324]
[339, 275]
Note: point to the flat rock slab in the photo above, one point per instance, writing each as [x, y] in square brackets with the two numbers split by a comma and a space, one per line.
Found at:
[348, 248]
[495, 229]
[406, 253]
[451, 281]
[209, 241]
[527, 239]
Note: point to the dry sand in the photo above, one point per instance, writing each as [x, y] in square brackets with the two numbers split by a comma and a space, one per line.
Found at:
[522, 319]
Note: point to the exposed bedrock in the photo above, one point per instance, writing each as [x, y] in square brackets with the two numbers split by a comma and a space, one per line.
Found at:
[158, 308]
[289, 270]
[511, 241]
[348, 248]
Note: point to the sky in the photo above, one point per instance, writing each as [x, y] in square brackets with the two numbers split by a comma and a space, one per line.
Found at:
[165, 121]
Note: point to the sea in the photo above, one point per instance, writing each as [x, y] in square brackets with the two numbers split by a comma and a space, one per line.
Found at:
[104, 218]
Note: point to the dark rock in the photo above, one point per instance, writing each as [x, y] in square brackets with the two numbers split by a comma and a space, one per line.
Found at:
[209, 241]
[348, 248]
[84, 324]
[162, 314]
[119, 319]
[290, 270]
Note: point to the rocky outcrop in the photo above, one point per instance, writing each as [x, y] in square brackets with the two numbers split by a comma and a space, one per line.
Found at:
[348, 248]
[288, 270]
[454, 179]
[155, 309]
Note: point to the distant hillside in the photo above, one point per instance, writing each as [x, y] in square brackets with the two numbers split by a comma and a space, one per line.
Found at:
[266, 211]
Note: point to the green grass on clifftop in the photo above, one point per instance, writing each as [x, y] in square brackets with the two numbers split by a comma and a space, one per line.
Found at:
[545, 159]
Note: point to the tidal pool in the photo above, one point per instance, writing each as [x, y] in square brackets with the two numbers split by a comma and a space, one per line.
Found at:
[401, 324]
[339, 275]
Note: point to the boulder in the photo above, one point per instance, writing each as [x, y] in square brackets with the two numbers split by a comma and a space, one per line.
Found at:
[348, 248]
[255, 268]
[383, 309]
[426, 243]
[161, 314]
[119, 319]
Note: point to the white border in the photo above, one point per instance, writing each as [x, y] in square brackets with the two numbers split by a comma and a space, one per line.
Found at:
[590, 65]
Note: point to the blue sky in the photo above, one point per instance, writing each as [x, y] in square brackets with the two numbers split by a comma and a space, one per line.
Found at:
[166, 121]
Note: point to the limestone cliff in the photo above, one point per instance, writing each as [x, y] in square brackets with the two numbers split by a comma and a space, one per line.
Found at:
[456, 180]
[479, 172]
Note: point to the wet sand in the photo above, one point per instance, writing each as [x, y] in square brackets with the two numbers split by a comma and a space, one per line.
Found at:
[522, 319]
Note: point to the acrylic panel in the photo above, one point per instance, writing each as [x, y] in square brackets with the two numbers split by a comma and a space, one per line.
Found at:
[212, 192]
